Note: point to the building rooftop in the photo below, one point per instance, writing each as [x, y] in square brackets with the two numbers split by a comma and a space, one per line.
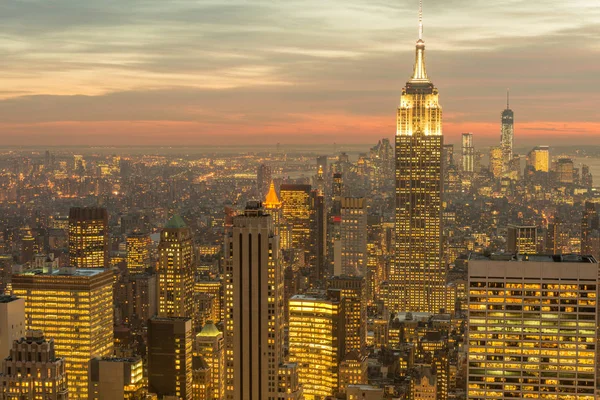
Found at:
[176, 222]
[566, 258]
[66, 271]
[209, 330]
[5, 298]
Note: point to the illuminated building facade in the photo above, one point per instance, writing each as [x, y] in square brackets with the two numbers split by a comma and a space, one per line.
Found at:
[532, 327]
[318, 235]
[353, 236]
[88, 237]
[170, 353]
[263, 179]
[315, 324]
[496, 161]
[507, 134]
[253, 306]
[211, 347]
[468, 153]
[75, 308]
[565, 171]
[418, 276]
[296, 211]
[539, 158]
[590, 229]
[138, 253]
[522, 239]
[175, 270]
[354, 311]
[116, 378]
[32, 371]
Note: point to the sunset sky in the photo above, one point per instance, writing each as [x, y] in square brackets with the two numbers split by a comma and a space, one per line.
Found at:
[198, 72]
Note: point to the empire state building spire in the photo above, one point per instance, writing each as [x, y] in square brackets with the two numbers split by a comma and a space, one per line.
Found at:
[419, 73]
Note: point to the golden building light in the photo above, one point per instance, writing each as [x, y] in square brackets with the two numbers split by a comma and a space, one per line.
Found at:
[418, 276]
[88, 237]
[138, 252]
[75, 308]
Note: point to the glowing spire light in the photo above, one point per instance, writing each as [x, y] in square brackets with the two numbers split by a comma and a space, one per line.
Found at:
[507, 98]
[419, 73]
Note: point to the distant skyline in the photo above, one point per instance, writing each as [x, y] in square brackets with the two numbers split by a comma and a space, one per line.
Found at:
[205, 72]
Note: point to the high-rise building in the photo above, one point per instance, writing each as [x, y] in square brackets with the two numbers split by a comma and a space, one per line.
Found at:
[116, 378]
[33, 371]
[170, 344]
[496, 161]
[264, 177]
[532, 327]
[138, 252]
[175, 270]
[590, 229]
[353, 237]
[521, 239]
[354, 313]
[253, 306]
[296, 211]
[315, 325]
[539, 158]
[12, 322]
[318, 234]
[75, 308]
[418, 276]
[211, 348]
[468, 153]
[88, 237]
[565, 170]
[507, 133]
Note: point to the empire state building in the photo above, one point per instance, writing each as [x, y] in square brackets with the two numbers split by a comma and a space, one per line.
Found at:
[418, 276]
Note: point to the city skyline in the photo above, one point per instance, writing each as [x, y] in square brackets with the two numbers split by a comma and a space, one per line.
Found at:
[204, 73]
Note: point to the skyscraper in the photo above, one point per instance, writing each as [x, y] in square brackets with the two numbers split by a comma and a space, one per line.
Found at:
[318, 234]
[532, 327]
[138, 252]
[116, 378]
[507, 136]
[496, 161]
[175, 270]
[521, 239]
[73, 307]
[254, 306]
[353, 236]
[209, 345]
[296, 211]
[418, 277]
[263, 179]
[12, 322]
[315, 328]
[88, 237]
[539, 158]
[170, 357]
[468, 153]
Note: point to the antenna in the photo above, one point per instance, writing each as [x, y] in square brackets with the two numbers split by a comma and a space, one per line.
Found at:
[507, 98]
[420, 19]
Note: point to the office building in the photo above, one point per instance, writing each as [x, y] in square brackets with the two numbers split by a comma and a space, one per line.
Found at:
[12, 323]
[253, 306]
[32, 370]
[418, 276]
[532, 327]
[210, 347]
[315, 330]
[116, 378]
[354, 311]
[296, 211]
[88, 237]
[170, 341]
[539, 158]
[175, 270]
[353, 237]
[468, 153]
[565, 171]
[590, 229]
[496, 161]
[264, 176]
[75, 308]
[521, 239]
[138, 253]
[318, 235]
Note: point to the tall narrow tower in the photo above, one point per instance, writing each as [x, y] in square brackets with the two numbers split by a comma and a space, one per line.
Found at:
[507, 135]
[254, 307]
[418, 277]
[175, 270]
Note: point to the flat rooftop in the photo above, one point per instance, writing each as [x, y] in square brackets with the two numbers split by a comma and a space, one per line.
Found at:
[69, 271]
[557, 258]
